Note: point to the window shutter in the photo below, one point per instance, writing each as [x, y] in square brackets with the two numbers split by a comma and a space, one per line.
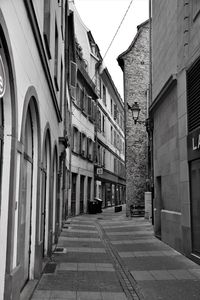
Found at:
[85, 102]
[94, 113]
[73, 78]
[80, 142]
[89, 100]
[81, 98]
[73, 140]
[115, 112]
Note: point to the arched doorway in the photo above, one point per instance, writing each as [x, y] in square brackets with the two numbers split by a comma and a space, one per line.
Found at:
[45, 225]
[27, 221]
[26, 199]
[55, 220]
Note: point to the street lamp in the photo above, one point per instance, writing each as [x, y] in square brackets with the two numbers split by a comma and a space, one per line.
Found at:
[135, 109]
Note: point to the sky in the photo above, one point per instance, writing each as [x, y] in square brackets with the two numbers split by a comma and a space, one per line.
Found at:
[103, 17]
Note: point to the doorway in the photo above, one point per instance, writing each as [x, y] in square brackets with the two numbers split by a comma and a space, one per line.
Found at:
[195, 205]
[26, 200]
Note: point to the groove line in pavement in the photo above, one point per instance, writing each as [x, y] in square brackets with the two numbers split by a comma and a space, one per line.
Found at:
[128, 283]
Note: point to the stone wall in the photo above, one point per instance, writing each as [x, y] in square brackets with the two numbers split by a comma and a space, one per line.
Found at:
[136, 73]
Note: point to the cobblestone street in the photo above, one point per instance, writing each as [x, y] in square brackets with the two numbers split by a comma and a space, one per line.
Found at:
[108, 256]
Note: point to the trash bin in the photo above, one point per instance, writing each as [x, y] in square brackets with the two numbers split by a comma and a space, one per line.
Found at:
[93, 207]
[99, 204]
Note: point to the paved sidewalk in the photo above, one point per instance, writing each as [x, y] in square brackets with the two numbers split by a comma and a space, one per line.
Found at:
[110, 257]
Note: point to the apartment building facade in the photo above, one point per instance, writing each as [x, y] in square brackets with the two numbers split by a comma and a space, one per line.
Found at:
[97, 163]
[33, 100]
[175, 113]
[110, 158]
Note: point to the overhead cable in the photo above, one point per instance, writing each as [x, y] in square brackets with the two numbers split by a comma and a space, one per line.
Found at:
[118, 29]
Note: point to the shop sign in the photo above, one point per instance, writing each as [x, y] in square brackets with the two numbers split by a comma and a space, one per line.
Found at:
[2, 78]
[99, 171]
[194, 145]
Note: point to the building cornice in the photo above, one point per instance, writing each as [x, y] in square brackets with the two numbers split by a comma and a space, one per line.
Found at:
[39, 42]
[108, 148]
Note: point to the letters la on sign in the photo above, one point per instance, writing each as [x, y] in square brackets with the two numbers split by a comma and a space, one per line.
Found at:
[2, 78]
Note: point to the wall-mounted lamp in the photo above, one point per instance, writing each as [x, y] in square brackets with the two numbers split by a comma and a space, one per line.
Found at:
[135, 109]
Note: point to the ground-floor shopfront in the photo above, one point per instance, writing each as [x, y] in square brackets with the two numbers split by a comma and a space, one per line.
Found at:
[109, 188]
[194, 175]
[82, 187]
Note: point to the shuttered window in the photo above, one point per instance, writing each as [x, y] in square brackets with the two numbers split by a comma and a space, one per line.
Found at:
[193, 96]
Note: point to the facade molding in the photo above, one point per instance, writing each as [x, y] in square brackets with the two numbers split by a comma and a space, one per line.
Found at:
[111, 151]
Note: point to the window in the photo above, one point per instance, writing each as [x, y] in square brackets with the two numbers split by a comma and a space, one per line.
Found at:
[103, 125]
[90, 149]
[98, 154]
[117, 141]
[73, 79]
[61, 86]
[46, 25]
[104, 94]
[104, 157]
[83, 145]
[111, 106]
[99, 87]
[111, 133]
[81, 98]
[62, 19]
[85, 102]
[99, 120]
[56, 58]
[75, 140]
[115, 165]
[89, 102]
[115, 138]
[115, 112]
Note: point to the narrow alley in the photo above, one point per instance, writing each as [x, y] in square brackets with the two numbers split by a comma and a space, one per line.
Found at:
[111, 257]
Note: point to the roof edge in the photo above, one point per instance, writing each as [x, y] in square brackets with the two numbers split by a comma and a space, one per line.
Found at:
[120, 57]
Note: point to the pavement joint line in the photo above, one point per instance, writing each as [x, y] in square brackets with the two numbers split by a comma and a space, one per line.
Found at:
[128, 283]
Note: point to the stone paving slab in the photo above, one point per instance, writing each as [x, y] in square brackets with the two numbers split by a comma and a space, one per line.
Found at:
[86, 249]
[153, 263]
[81, 281]
[138, 241]
[167, 290]
[130, 230]
[148, 253]
[85, 267]
[83, 257]
[71, 229]
[87, 234]
[79, 239]
[80, 244]
[125, 226]
[125, 233]
[80, 295]
[129, 247]
[82, 225]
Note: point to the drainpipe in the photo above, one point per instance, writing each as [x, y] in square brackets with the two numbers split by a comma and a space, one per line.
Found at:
[150, 133]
